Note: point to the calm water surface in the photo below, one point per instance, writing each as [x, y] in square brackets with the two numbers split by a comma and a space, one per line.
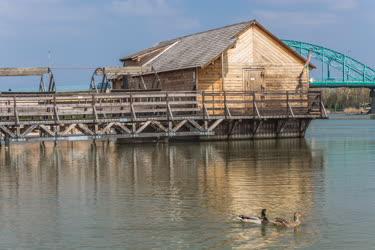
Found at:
[186, 195]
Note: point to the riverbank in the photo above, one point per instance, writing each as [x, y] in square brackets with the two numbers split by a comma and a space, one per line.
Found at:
[350, 111]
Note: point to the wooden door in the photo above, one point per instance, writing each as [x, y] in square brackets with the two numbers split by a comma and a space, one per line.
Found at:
[252, 82]
[252, 79]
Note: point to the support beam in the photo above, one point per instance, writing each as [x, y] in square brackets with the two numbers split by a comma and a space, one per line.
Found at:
[107, 128]
[7, 131]
[85, 129]
[215, 124]
[69, 129]
[47, 130]
[141, 128]
[372, 101]
[195, 125]
[123, 128]
[280, 125]
[179, 125]
[28, 130]
[256, 126]
[160, 126]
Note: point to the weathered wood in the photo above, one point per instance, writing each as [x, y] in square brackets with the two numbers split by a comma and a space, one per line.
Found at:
[141, 128]
[7, 131]
[195, 124]
[159, 125]
[29, 130]
[215, 124]
[47, 130]
[68, 129]
[179, 125]
[123, 127]
[85, 129]
[128, 70]
[107, 127]
[24, 71]
[25, 117]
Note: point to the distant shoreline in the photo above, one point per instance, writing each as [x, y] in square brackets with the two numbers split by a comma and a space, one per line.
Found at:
[350, 111]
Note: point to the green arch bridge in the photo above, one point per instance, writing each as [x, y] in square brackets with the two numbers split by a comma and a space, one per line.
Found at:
[335, 69]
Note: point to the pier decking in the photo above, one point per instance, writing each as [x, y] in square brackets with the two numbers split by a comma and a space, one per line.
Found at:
[157, 115]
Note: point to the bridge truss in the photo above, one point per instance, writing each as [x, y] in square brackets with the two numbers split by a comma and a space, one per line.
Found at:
[337, 69]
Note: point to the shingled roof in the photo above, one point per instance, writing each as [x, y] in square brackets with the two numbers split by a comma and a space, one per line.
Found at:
[196, 50]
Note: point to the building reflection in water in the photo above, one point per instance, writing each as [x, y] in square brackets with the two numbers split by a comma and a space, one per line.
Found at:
[184, 192]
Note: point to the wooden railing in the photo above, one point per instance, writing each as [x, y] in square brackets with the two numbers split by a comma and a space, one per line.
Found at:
[62, 107]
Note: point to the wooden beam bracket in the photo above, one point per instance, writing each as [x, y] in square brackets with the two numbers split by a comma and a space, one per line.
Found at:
[143, 127]
[196, 125]
[85, 129]
[215, 124]
[8, 131]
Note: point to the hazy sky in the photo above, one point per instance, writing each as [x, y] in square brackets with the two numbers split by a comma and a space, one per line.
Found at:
[91, 33]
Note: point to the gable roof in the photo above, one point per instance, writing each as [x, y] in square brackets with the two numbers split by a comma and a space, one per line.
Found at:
[199, 49]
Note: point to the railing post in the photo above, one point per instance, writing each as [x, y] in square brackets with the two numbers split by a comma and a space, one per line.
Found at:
[203, 106]
[15, 113]
[54, 108]
[167, 106]
[213, 102]
[254, 109]
[167, 110]
[320, 103]
[132, 113]
[225, 105]
[131, 106]
[94, 108]
[287, 103]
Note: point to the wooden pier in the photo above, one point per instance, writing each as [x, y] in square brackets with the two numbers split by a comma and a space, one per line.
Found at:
[156, 115]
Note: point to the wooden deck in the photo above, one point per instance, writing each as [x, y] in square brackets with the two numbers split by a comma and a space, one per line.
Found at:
[55, 116]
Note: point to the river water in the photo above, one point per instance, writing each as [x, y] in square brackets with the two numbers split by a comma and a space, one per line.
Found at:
[187, 195]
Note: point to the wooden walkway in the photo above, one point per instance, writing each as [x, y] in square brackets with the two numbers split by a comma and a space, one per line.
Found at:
[55, 116]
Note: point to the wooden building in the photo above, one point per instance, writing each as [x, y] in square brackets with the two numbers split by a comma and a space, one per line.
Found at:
[239, 57]
[234, 82]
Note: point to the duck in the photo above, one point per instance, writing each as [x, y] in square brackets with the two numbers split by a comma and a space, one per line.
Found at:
[281, 222]
[262, 219]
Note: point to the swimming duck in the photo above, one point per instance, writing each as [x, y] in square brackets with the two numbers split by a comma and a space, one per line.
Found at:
[281, 222]
[262, 219]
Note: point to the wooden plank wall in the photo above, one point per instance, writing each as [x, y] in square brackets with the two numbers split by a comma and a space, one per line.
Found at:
[255, 49]
[178, 80]
[282, 68]
[210, 80]
[210, 77]
[237, 58]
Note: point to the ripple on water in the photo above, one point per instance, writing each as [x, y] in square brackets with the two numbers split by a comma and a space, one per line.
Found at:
[184, 195]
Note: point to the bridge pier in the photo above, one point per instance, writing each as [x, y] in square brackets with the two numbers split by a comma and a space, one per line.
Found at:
[372, 101]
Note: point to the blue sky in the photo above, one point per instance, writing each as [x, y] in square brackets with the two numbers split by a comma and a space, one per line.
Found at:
[92, 33]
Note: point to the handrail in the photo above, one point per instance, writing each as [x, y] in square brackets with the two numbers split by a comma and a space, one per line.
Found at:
[171, 105]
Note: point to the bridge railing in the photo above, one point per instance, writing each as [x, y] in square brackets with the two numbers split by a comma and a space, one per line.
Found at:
[69, 107]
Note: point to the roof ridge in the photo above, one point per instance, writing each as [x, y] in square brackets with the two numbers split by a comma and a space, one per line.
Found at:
[170, 41]
[206, 31]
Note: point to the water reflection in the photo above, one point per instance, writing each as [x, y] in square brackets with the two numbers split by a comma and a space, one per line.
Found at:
[78, 194]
